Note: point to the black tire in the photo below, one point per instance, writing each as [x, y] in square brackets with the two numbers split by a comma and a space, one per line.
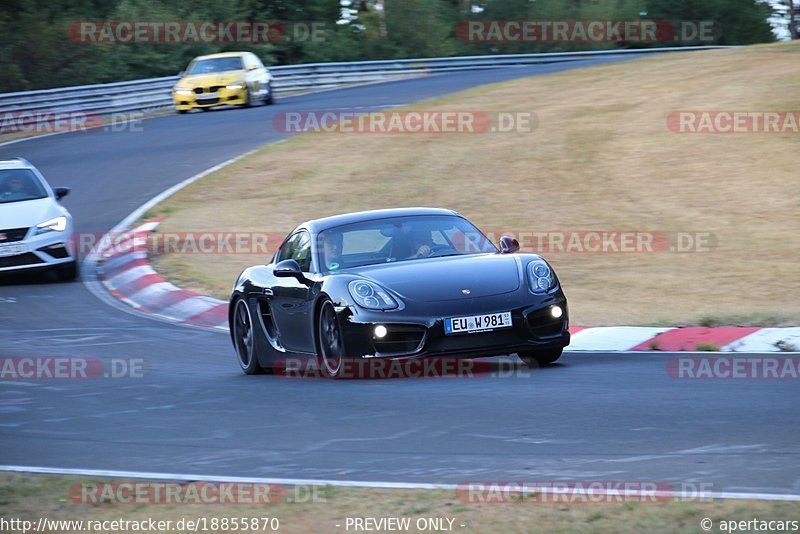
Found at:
[270, 98]
[67, 272]
[331, 360]
[243, 332]
[248, 102]
[206, 109]
[183, 111]
[540, 358]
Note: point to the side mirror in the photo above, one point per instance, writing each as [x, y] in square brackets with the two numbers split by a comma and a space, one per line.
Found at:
[252, 67]
[508, 245]
[288, 268]
[61, 192]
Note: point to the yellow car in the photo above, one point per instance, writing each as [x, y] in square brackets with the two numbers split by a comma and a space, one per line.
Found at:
[227, 79]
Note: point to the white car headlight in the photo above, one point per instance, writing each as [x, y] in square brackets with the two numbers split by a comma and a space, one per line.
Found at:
[182, 91]
[234, 86]
[57, 224]
[540, 276]
[371, 296]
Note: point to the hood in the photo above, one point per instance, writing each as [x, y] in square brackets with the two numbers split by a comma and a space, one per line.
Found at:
[212, 78]
[28, 212]
[438, 279]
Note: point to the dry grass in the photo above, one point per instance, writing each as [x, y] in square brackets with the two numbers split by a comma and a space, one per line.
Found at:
[31, 497]
[602, 157]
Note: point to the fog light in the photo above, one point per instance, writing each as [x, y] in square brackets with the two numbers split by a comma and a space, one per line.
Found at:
[380, 331]
[556, 311]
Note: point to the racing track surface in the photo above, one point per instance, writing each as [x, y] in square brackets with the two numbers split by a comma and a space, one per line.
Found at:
[593, 416]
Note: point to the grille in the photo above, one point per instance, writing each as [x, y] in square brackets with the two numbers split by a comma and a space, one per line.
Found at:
[208, 101]
[12, 234]
[29, 258]
[400, 339]
[57, 251]
[198, 90]
[542, 324]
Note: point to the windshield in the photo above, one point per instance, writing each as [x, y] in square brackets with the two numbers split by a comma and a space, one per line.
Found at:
[399, 239]
[17, 185]
[219, 64]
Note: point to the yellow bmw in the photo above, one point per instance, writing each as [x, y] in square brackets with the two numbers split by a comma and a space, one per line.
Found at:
[227, 79]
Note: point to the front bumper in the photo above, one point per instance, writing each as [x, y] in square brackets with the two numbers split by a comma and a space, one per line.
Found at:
[36, 252]
[410, 336]
[221, 96]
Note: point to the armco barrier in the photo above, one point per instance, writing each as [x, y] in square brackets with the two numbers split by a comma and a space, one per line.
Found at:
[154, 94]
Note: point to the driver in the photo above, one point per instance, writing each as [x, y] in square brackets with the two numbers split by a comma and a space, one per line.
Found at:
[420, 244]
[15, 188]
[332, 250]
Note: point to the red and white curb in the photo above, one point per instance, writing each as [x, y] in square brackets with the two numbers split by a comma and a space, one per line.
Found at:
[125, 271]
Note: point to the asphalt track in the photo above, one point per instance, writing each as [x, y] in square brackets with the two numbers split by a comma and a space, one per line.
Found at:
[591, 417]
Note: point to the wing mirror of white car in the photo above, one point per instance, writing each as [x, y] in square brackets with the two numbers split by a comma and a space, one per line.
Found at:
[61, 192]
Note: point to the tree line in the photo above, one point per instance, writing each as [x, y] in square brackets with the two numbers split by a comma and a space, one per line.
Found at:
[41, 44]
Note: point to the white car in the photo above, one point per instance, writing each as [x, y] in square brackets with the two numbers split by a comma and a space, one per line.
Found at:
[35, 229]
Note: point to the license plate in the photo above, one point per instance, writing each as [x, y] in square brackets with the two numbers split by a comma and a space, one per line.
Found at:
[206, 97]
[12, 250]
[477, 323]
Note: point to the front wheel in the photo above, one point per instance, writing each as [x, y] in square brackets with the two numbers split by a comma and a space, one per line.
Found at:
[244, 339]
[540, 358]
[331, 358]
[68, 271]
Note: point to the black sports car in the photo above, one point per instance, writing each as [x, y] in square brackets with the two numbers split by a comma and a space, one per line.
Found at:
[399, 283]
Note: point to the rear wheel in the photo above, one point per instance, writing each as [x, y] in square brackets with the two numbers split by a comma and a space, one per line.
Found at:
[540, 358]
[330, 353]
[244, 339]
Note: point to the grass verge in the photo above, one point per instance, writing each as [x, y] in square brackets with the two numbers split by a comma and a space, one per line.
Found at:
[601, 158]
[30, 497]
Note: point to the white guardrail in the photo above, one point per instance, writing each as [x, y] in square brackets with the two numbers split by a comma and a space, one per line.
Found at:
[154, 94]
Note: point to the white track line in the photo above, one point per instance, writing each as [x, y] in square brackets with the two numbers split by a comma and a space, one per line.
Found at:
[144, 475]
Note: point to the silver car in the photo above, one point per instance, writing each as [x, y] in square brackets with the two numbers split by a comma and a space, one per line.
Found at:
[35, 229]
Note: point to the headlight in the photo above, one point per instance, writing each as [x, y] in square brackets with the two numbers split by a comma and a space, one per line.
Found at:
[59, 224]
[182, 91]
[371, 296]
[235, 86]
[540, 276]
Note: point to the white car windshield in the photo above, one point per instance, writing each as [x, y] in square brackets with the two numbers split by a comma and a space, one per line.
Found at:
[17, 185]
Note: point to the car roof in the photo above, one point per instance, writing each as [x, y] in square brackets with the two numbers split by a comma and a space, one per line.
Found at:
[15, 163]
[318, 225]
[222, 54]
